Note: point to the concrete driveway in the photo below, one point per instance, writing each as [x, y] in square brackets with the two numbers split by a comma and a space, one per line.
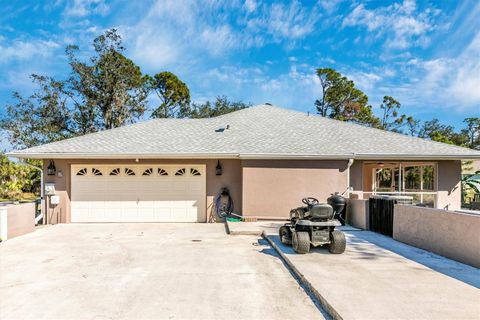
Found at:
[380, 278]
[146, 271]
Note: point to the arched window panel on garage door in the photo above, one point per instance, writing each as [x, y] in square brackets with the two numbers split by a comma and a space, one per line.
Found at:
[180, 172]
[147, 172]
[195, 172]
[97, 172]
[162, 172]
[82, 172]
[129, 172]
[115, 172]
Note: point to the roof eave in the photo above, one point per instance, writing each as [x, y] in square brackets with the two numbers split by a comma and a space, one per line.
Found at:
[246, 156]
[290, 156]
[396, 156]
[123, 156]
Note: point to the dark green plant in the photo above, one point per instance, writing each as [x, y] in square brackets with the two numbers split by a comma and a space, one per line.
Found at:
[470, 183]
[18, 181]
[212, 109]
[174, 95]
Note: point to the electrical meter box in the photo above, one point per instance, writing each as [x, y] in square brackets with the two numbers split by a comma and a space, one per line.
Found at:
[55, 200]
[49, 189]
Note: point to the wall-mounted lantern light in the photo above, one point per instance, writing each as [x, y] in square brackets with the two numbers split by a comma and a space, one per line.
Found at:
[51, 168]
[218, 168]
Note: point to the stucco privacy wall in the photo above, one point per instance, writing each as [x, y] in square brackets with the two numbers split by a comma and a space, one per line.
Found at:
[230, 178]
[17, 220]
[272, 187]
[449, 185]
[447, 233]
[358, 213]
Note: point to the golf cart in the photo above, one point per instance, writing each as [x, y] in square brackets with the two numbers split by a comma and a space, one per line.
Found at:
[315, 224]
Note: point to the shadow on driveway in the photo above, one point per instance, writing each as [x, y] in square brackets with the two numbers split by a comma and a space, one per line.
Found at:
[368, 245]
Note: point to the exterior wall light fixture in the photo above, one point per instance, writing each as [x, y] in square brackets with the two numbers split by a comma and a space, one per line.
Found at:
[51, 170]
[218, 168]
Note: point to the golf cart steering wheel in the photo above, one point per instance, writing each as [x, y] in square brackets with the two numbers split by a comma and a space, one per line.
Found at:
[310, 201]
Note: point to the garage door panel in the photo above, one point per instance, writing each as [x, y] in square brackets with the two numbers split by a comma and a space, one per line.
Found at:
[138, 198]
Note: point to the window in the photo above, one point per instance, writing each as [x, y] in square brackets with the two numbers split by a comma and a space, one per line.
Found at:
[162, 172]
[115, 172]
[180, 172]
[194, 172]
[82, 172]
[129, 172]
[415, 179]
[147, 172]
[428, 178]
[96, 172]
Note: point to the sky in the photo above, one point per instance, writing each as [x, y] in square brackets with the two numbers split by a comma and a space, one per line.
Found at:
[426, 54]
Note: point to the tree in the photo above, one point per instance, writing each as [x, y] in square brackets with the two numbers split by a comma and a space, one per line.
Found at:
[173, 94]
[212, 109]
[391, 120]
[43, 117]
[341, 100]
[412, 126]
[436, 131]
[111, 87]
[106, 92]
[472, 133]
[18, 181]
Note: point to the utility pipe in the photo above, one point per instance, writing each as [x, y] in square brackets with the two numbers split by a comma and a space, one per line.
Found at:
[350, 162]
[42, 201]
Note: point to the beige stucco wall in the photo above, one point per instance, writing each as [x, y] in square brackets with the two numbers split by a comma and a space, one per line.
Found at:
[447, 233]
[231, 178]
[17, 220]
[449, 187]
[272, 188]
[357, 213]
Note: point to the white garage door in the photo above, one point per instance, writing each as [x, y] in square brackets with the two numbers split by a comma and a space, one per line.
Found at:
[138, 193]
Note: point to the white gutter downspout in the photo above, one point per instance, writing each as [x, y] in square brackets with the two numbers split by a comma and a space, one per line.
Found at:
[350, 162]
[42, 201]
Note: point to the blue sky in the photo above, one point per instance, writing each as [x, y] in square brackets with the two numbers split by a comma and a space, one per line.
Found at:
[426, 54]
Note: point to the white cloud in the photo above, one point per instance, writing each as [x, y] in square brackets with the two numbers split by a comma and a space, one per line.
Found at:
[465, 86]
[441, 83]
[250, 5]
[26, 50]
[284, 21]
[400, 24]
[184, 31]
[329, 5]
[83, 8]
[365, 81]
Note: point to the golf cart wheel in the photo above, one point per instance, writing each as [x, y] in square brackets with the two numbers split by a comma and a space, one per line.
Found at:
[285, 235]
[338, 242]
[301, 242]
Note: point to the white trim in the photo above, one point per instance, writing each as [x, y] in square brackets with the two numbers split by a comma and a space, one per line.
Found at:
[3, 223]
[259, 156]
[135, 156]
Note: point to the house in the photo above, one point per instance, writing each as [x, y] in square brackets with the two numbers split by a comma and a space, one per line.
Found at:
[268, 157]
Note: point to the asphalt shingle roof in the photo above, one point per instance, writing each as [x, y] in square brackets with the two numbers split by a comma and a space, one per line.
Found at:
[262, 131]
